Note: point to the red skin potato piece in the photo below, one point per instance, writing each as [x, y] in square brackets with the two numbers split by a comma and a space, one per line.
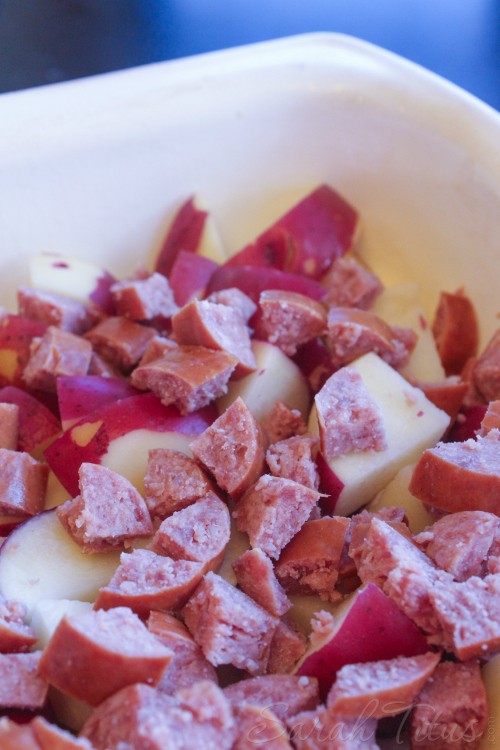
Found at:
[79, 396]
[467, 424]
[37, 423]
[190, 276]
[255, 575]
[15, 737]
[382, 688]
[16, 335]
[184, 233]
[65, 455]
[9, 425]
[215, 327]
[374, 628]
[310, 563]
[289, 319]
[146, 581]
[21, 684]
[452, 709]
[286, 695]
[314, 360]
[307, 239]
[96, 654]
[232, 449]
[51, 737]
[330, 486]
[460, 476]
[23, 483]
[455, 330]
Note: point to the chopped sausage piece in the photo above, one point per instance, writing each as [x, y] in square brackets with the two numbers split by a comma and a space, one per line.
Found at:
[51, 737]
[460, 476]
[352, 333]
[15, 636]
[486, 370]
[199, 533]
[16, 736]
[121, 341]
[293, 459]
[173, 481]
[381, 688]
[188, 376]
[282, 423]
[452, 709]
[491, 420]
[273, 511]
[447, 395]
[92, 655]
[310, 563]
[259, 728]
[157, 348]
[144, 299]
[188, 665]
[9, 426]
[228, 626]
[141, 717]
[392, 514]
[286, 695]
[21, 684]
[23, 483]
[289, 644]
[57, 310]
[459, 542]
[361, 530]
[234, 297]
[146, 581]
[217, 327]
[232, 449]
[255, 575]
[56, 353]
[455, 331]
[107, 513]
[290, 319]
[100, 366]
[348, 417]
[348, 284]
[322, 730]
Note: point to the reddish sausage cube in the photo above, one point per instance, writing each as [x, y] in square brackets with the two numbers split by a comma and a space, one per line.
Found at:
[282, 423]
[293, 459]
[273, 511]
[287, 694]
[234, 297]
[456, 331]
[14, 634]
[348, 284]
[289, 644]
[51, 737]
[157, 347]
[173, 481]
[120, 341]
[232, 449]
[108, 511]
[23, 483]
[188, 376]
[57, 310]
[290, 319]
[228, 626]
[144, 299]
[9, 426]
[95, 654]
[324, 730]
[255, 575]
[21, 683]
[56, 353]
[486, 371]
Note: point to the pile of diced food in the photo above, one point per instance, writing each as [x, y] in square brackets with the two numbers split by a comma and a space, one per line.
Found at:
[247, 501]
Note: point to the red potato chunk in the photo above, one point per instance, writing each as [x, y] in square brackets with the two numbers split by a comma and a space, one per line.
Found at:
[21, 683]
[9, 426]
[218, 327]
[290, 319]
[452, 709]
[381, 688]
[460, 476]
[23, 483]
[486, 371]
[188, 377]
[144, 299]
[234, 297]
[108, 512]
[232, 449]
[352, 333]
[51, 737]
[199, 533]
[310, 563]
[95, 654]
[273, 511]
[188, 665]
[459, 542]
[322, 730]
[57, 310]
[293, 459]
[57, 353]
[120, 341]
[286, 695]
[36, 423]
[228, 626]
[348, 284]
[185, 232]
[289, 644]
[146, 581]
[455, 330]
[282, 423]
[255, 575]
[173, 481]
[15, 636]
[348, 417]
[141, 717]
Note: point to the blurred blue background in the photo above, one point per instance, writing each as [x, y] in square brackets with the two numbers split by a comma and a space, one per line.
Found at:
[43, 41]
